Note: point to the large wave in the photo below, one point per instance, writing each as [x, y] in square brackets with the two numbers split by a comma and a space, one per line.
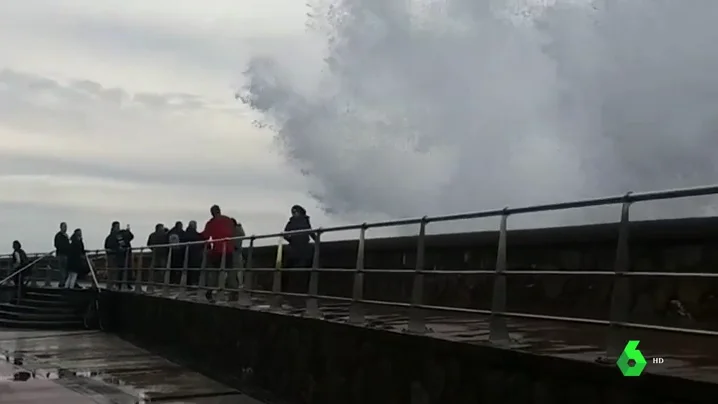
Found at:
[425, 107]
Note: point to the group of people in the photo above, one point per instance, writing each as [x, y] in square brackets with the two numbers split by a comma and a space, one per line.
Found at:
[168, 251]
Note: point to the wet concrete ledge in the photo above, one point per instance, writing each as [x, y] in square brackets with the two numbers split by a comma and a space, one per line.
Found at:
[317, 361]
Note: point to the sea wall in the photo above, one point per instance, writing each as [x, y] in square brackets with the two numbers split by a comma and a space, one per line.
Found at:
[305, 360]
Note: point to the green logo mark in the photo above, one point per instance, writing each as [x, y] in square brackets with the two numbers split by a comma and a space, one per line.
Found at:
[630, 353]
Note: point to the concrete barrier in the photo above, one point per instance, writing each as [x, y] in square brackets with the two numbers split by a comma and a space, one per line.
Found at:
[312, 361]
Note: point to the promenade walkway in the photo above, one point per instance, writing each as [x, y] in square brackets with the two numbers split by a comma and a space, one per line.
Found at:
[687, 356]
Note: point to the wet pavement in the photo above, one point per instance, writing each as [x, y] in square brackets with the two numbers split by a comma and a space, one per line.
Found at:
[686, 356]
[78, 367]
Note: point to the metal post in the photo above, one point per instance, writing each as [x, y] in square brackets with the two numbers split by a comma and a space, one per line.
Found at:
[138, 275]
[151, 272]
[49, 270]
[416, 313]
[183, 278]
[202, 283]
[312, 305]
[32, 280]
[245, 295]
[621, 292]
[108, 272]
[276, 300]
[222, 275]
[167, 275]
[356, 310]
[498, 333]
[126, 271]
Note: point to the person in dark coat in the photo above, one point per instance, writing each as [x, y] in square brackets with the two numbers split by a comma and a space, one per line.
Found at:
[76, 259]
[195, 252]
[175, 236]
[300, 251]
[62, 246]
[159, 238]
[118, 245]
[20, 261]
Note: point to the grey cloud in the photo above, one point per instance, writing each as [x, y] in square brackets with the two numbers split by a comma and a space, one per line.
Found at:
[187, 173]
[224, 49]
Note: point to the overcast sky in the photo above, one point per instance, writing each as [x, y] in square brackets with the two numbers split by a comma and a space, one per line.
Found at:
[125, 110]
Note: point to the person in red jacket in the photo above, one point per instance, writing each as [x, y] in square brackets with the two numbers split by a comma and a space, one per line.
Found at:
[218, 227]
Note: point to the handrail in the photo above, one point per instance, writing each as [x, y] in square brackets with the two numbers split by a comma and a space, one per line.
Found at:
[628, 198]
[17, 271]
[92, 272]
[619, 307]
[620, 301]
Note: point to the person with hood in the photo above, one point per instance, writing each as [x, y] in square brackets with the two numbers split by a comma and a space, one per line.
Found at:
[20, 261]
[62, 246]
[175, 236]
[158, 238]
[76, 259]
[217, 228]
[118, 245]
[195, 252]
[300, 251]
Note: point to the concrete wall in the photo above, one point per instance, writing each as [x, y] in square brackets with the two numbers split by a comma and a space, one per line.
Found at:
[312, 361]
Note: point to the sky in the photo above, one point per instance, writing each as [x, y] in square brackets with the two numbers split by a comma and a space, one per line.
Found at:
[149, 112]
[125, 110]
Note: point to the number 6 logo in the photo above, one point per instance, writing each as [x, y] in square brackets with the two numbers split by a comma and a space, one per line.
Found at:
[631, 353]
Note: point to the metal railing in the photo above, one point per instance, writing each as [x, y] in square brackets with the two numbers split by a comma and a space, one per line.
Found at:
[48, 271]
[195, 272]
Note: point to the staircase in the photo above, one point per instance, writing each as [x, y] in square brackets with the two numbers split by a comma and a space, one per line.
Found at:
[46, 308]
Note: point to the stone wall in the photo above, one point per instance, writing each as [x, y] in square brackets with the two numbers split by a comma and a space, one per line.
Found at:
[312, 361]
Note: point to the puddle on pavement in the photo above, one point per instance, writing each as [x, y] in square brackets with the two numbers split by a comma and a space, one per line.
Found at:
[104, 367]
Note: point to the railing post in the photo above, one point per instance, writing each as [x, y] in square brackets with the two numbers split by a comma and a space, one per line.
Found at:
[138, 272]
[222, 275]
[202, 282]
[276, 300]
[183, 278]
[32, 281]
[126, 271]
[49, 270]
[245, 294]
[498, 333]
[168, 273]
[416, 313]
[621, 292]
[151, 272]
[312, 305]
[356, 310]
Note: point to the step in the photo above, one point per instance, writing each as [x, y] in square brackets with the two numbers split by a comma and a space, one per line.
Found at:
[46, 295]
[25, 308]
[29, 301]
[8, 313]
[42, 325]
